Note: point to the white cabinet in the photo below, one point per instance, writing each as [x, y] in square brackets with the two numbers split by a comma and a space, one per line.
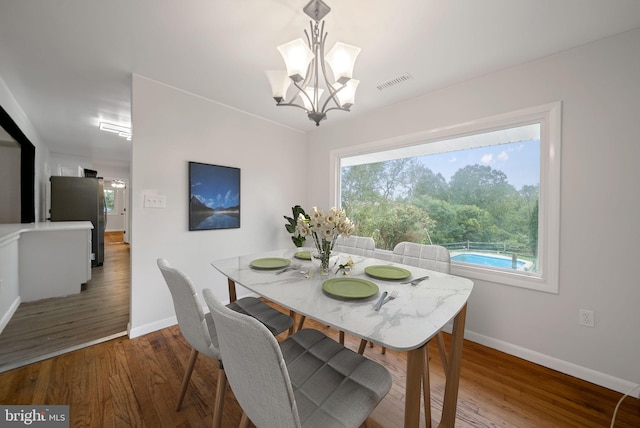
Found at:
[54, 263]
[54, 259]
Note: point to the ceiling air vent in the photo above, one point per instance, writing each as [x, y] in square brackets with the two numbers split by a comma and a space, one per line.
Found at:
[393, 82]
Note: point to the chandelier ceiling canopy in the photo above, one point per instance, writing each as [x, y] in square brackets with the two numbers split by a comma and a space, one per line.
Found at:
[307, 70]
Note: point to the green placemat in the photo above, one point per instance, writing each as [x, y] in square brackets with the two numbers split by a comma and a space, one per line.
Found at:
[350, 288]
[304, 255]
[270, 263]
[387, 272]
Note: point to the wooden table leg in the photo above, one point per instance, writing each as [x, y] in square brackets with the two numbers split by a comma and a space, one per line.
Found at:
[415, 369]
[426, 387]
[450, 401]
[232, 290]
[292, 329]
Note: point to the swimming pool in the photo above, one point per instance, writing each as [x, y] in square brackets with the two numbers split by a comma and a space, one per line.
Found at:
[487, 260]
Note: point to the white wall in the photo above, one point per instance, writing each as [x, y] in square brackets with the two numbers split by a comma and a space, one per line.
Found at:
[11, 106]
[171, 128]
[599, 86]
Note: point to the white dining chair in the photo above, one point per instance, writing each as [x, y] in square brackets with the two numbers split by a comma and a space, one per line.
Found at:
[435, 258]
[355, 245]
[308, 380]
[199, 331]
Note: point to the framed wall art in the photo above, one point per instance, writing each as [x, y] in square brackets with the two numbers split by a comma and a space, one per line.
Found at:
[214, 197]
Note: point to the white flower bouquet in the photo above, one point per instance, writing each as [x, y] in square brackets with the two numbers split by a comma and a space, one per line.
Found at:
[324, 228]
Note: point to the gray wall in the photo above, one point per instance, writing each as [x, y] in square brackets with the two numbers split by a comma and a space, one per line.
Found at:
[9, 182]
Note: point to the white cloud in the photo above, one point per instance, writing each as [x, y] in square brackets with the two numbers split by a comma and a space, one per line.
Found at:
[453, 160]
[503, 156]
[488, 158]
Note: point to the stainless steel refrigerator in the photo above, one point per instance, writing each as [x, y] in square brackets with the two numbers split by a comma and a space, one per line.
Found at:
[81, 199]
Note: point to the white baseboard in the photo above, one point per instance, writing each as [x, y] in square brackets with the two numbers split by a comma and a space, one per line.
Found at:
[151, 327]
[9, 314]
[589, 375]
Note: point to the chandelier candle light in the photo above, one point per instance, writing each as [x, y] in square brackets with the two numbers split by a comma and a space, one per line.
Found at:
[306, 61]
[324, 228]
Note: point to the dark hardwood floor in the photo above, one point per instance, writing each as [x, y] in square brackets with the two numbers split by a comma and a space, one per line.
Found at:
[135, 383]
[49, 327]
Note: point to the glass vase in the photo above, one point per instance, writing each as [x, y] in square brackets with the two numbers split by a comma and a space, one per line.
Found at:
[323, 261]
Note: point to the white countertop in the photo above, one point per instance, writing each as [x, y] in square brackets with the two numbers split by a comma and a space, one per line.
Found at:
[404, 323]
[13, 230]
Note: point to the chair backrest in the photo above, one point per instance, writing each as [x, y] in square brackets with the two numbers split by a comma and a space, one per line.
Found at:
[432, 257]
[358, 245]
[255, 367]
[191, 317]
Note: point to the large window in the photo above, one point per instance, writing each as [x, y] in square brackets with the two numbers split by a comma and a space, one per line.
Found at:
[487, 191]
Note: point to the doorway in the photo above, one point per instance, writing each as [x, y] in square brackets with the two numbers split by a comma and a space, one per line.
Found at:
[115, 195]
[45, 328]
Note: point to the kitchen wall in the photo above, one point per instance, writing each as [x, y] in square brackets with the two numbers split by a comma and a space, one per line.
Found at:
[599, 87]
[171, 128]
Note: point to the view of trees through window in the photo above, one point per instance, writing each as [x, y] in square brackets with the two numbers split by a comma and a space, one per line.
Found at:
[109, 199]
[473, 195]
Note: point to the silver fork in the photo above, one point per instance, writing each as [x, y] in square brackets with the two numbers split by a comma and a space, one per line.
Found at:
[394, 293]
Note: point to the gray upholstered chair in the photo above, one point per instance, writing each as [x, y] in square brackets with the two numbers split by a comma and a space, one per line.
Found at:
[308, 380]
[356, 245]
[198, 328]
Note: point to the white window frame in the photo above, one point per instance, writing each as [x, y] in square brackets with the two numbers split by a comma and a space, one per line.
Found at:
[550, 118]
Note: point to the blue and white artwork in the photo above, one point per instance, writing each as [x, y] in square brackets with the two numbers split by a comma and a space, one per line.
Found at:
[214, 199]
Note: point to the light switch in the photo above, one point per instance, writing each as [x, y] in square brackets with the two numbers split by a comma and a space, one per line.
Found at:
[152, 200]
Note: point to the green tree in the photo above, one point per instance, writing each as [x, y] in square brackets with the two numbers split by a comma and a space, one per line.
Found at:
[426, 183]
[485, 188]
[389, 223]
[109, 200]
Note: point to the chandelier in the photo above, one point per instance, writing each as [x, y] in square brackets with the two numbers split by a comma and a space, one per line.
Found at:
[307, 72]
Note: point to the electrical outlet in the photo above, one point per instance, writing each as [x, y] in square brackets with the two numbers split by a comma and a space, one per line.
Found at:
[586, 318]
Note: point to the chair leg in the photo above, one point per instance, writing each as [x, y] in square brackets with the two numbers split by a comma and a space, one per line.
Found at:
[426, 388]
[384, 350]
[301, 322]
[443, 351]
[244, 421]
[363, 345]
[187, 376]
[341, 337]
[219, 403]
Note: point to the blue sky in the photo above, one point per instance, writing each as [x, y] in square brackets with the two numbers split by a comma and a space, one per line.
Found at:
[215, 186]
[520, 161]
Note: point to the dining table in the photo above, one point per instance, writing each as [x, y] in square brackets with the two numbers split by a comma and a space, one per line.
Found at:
[404, 323]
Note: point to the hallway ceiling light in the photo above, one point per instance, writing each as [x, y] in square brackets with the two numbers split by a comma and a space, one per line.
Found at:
[307, 71]
[122, 130]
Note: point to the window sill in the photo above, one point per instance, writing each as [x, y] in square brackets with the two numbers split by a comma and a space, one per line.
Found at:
[505, 277]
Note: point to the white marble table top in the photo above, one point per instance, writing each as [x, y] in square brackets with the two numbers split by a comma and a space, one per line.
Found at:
[403, 324]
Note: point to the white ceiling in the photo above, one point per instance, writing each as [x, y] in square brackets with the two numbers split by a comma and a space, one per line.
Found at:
[69, 62]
